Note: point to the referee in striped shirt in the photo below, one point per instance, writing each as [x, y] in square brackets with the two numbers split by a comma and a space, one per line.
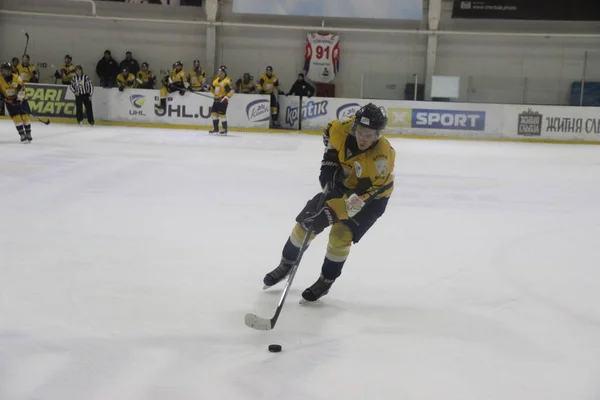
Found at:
[82, 86]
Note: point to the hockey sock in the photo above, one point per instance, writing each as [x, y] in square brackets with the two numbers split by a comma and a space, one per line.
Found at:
[21, 130]
[331, 269]
[290, 252]
[28, 129]
[224, 123]
[216, 124]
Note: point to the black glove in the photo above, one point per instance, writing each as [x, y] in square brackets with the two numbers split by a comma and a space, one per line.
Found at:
[318, 220]
[332, 173]
[57, 75]
[121, 88]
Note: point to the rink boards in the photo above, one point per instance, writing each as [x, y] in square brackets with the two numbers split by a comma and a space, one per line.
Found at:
[252, 112]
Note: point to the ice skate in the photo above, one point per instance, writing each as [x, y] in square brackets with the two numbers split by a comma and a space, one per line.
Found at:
[319, 289]
[23, 137]
[278, 274]
[28, 137]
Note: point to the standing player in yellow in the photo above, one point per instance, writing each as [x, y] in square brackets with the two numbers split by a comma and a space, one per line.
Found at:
[197, 77]
[66, 72]
[176, 81]
[221, 89]
[268, 83]
[12, 93]
[27, 72]
[358, 165]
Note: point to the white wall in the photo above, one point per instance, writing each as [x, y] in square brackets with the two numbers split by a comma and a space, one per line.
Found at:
[494, 68]
[510, 70]
[390, 59]
[85, 39]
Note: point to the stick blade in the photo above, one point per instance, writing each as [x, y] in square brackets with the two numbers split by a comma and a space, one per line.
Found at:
[255, 322]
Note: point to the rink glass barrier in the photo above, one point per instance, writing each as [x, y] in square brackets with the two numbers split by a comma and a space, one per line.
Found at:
[405, 118]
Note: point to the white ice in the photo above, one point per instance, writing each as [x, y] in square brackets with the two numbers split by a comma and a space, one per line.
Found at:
[129, 257]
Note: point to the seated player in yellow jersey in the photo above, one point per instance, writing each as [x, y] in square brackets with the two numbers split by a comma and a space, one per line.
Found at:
[268, 83]
[126, 80]
[358, 167]
[245, 85]
[176, 81]
[145, 78]
[28, 73]
[12, 93]
[197, 78]
[221, 89]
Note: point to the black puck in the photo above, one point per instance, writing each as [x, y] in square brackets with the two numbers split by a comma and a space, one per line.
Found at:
[274, 348]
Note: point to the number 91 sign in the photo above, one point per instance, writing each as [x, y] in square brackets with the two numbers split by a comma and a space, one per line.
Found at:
[322, 57]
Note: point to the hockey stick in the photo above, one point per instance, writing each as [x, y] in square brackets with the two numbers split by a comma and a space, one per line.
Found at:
[45, 122]
[264, 324]
[200, 94]
[26, 42]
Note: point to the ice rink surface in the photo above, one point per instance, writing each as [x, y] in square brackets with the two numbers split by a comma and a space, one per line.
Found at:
[129, 257]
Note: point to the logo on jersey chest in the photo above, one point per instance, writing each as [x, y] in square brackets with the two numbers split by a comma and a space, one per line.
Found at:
[381, 166]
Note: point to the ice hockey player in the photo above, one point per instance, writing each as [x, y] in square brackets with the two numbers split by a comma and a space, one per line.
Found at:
[28, 73]
[245, 84]
[268, 83]
[12, 93]
[145, 78]
[197, 78]
[126, 80]
[358, 165]
[66, 72]
[221, 89]
[176, 81]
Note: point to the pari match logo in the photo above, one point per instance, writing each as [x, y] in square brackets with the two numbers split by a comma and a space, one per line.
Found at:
[137, 100]
[258, 110]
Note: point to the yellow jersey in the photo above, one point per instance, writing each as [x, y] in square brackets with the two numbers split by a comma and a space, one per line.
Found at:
[268, 85]
[67, 73]
[246, 88]
[28, 73]
[145, 80]
[177, 76]
[127, 82]
[196, 79]
[10, 90]
[368, 173]
[221, 87]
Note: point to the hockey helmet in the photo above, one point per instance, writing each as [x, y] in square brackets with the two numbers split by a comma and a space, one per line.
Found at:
[369, 121]
[6, 67]
[68, 57]
[178, 64]
[145, 65]
[196, 62]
